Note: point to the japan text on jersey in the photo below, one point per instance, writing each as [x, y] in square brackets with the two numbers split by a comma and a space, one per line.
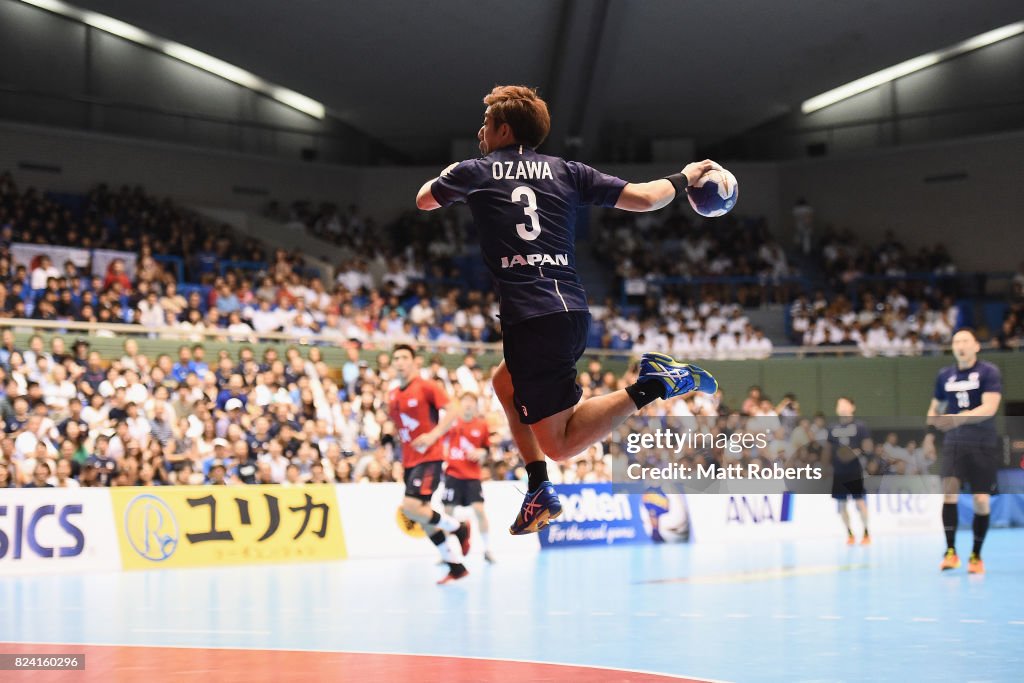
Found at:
[524, 205]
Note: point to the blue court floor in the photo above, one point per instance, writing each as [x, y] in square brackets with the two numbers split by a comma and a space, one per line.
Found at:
[793, 611]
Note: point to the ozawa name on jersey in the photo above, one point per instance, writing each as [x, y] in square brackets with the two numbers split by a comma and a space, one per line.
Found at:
[525, 205]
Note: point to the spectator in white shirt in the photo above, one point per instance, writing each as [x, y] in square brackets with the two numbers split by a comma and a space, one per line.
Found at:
[43, 271]
[264, 318]
[239, 330]
[58, 391]
[139, 427]
[151, 313]
[422, 313]
[465, 377]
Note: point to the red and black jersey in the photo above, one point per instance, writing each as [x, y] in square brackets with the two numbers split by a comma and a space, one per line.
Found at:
[414, 410]
[463, 439]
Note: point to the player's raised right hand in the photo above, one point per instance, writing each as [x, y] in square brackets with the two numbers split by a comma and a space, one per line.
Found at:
[695, 170]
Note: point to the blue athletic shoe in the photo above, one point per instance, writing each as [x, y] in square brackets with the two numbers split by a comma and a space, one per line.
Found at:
[539, 508]
[678, 378]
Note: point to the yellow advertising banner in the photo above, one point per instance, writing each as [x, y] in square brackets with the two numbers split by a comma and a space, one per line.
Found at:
[205, 526]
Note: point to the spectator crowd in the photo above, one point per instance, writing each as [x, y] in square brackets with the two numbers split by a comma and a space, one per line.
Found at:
[72, 418]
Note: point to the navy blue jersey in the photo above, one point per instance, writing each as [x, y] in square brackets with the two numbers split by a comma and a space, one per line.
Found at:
[842, 435]
[961, 390]
[524, 205]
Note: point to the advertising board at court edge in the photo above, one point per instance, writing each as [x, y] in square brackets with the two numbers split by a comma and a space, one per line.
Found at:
[56, 530]
[593, 514]
[204, 526]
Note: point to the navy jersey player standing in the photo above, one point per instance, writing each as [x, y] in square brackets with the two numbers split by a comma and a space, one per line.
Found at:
[849, 439]
[524, 205]
[967, 397]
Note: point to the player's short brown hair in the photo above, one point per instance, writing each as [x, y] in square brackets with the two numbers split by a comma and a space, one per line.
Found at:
[523, 110]
[403, 347]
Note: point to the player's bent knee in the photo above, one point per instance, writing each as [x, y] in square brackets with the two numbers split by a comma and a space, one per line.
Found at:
[413, 506]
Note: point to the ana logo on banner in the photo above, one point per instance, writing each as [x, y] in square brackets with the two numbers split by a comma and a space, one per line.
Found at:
[770, 508]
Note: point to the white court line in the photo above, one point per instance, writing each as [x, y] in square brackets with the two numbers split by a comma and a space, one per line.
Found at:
[972, 621]
[924, 619]
[204, 631]
[876, 618]
[185, 648]
[1017, 623]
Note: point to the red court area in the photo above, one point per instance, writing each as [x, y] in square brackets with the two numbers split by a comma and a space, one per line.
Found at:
[155, 664]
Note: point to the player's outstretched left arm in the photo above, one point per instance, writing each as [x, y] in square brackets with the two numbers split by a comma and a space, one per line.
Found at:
[657, 194]
[425, 198]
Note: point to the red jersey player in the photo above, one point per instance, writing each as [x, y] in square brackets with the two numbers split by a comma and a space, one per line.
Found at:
[468, 440]
[415, 407]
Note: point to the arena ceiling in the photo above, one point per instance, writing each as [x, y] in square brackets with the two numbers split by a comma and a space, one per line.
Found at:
[412, 73]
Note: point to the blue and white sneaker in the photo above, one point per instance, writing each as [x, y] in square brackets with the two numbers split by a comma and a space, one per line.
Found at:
[539, 508]
[678, 378]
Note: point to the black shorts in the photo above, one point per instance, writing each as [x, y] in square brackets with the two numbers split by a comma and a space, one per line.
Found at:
[462, 492]
[422, 480]
[973, 462]
[854, 488]
[541, 355]
[848, 480]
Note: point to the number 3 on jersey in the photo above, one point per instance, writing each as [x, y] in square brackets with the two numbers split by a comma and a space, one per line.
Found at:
[533, 232]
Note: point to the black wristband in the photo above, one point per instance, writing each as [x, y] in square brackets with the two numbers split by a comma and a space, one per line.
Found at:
[680, 182]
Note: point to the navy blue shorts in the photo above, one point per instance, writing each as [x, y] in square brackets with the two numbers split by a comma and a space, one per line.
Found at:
[974, 462]
[541, 354]
[847, 480]
[462, 492]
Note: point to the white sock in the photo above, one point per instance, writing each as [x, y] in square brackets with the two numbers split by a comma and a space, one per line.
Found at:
[485, 536]
[447, 523]
[446, 552]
